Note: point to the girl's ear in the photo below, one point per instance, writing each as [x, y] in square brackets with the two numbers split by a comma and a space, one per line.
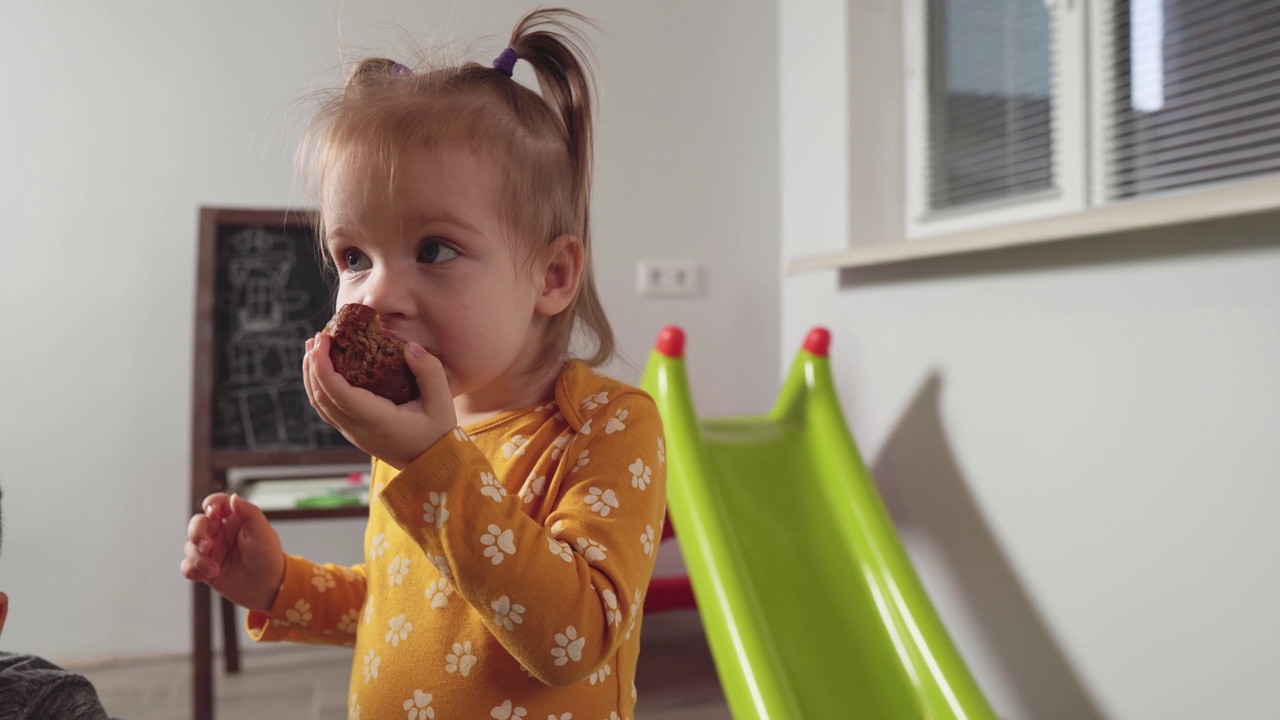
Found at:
[558, 274]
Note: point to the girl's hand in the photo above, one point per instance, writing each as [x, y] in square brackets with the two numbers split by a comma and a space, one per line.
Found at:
[396, 434]
[233, 548]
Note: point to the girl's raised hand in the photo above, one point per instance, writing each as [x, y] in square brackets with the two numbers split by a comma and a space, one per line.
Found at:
[396, 434]
[233, 548]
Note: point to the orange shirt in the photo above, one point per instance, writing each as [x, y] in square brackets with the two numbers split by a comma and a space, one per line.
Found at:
[505, 568]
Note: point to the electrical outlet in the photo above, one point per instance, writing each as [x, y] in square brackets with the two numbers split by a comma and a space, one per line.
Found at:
[669, 278]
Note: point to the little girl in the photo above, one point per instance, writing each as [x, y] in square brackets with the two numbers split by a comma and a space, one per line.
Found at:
[516, 505]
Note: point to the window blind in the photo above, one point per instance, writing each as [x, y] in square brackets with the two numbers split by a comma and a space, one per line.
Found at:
[1195, 93]
[990, 97]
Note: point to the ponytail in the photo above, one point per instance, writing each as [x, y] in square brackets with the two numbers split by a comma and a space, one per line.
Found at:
[555, 49]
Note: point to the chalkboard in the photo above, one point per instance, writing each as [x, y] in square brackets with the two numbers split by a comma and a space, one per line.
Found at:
[262, 290]
[270, 296]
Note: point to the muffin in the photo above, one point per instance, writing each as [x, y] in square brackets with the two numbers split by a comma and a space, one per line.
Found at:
[367, 358]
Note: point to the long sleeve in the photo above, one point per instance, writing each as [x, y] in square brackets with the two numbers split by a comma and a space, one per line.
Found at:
[560, 593]
[318, 604]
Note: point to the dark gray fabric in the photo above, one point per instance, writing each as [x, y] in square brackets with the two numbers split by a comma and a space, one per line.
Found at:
[32, 688]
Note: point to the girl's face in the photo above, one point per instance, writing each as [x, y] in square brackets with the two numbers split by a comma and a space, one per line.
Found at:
[432, 256]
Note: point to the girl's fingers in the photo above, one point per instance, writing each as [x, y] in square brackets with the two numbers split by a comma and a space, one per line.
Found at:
[333, 397]
[306, 374]
[200, 533]
[315, 391]
[213, 534]
[306, 377]
[196, 566]
[433, 383]
[215, 507]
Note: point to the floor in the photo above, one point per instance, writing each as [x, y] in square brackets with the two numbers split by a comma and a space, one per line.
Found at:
[675, 681]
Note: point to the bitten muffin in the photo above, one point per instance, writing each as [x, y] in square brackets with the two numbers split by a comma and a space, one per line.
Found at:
[367, 358]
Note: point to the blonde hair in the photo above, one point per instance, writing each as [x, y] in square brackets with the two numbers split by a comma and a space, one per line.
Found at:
[544, 142]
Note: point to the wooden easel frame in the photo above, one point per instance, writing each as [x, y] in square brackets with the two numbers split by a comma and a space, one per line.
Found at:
[210, 466]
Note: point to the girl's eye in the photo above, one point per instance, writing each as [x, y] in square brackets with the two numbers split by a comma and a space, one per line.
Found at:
[434, 251]
[352, 259]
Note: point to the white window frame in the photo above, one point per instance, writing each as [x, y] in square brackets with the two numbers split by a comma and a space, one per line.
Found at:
[1069, 121]
[895, 232]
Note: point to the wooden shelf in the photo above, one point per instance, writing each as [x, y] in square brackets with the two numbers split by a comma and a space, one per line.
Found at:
[228, 459]
[353, 511]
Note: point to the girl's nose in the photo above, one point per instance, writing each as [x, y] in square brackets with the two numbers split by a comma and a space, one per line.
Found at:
[388, 293]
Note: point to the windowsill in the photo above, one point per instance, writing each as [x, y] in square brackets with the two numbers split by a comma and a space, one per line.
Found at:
[1237, 198]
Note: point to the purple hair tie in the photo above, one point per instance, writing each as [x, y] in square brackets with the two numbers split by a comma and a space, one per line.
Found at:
[506, 62]
[398, 69]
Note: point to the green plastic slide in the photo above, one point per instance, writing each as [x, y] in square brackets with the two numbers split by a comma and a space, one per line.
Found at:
[811, 606]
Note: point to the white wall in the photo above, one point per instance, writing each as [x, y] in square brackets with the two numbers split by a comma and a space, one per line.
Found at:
[1076, 440]
[121, 118]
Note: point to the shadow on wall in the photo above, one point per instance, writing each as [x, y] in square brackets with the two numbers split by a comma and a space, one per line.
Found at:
[920, 481]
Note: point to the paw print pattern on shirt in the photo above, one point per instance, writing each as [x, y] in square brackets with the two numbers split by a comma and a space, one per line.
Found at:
[550, 406]
[646, 539]
[557, 446]
[371, 663]
[591, 402]
[506, 613]
[460, 660]
[490, 486]
[583, 459]
[460, 435]
[599, 675]
[419, 706]
[398, 570]
[616, 423]
[398, 629]
[441, 565]
[514, 447]
[506, 711]
[591, 550]
[434, 512]
[321, 579]
[568, 646]
[561, 548]
[498, 543]
[662, 452]
[368, 609]
[378, 545]
[635, 607]
[347, 623]
[533, 487]
[586, 428]
[612, 613]
[353, 707]
[438, 593]
[640, 474]
[565, 716]
[601, 501]
[300, 613]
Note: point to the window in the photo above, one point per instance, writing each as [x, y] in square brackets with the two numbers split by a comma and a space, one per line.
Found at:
[1191, 93]
[990, 101]
[1022, 110]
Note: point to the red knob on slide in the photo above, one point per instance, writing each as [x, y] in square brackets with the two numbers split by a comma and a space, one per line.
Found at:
[818, 341]
[671, 342]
